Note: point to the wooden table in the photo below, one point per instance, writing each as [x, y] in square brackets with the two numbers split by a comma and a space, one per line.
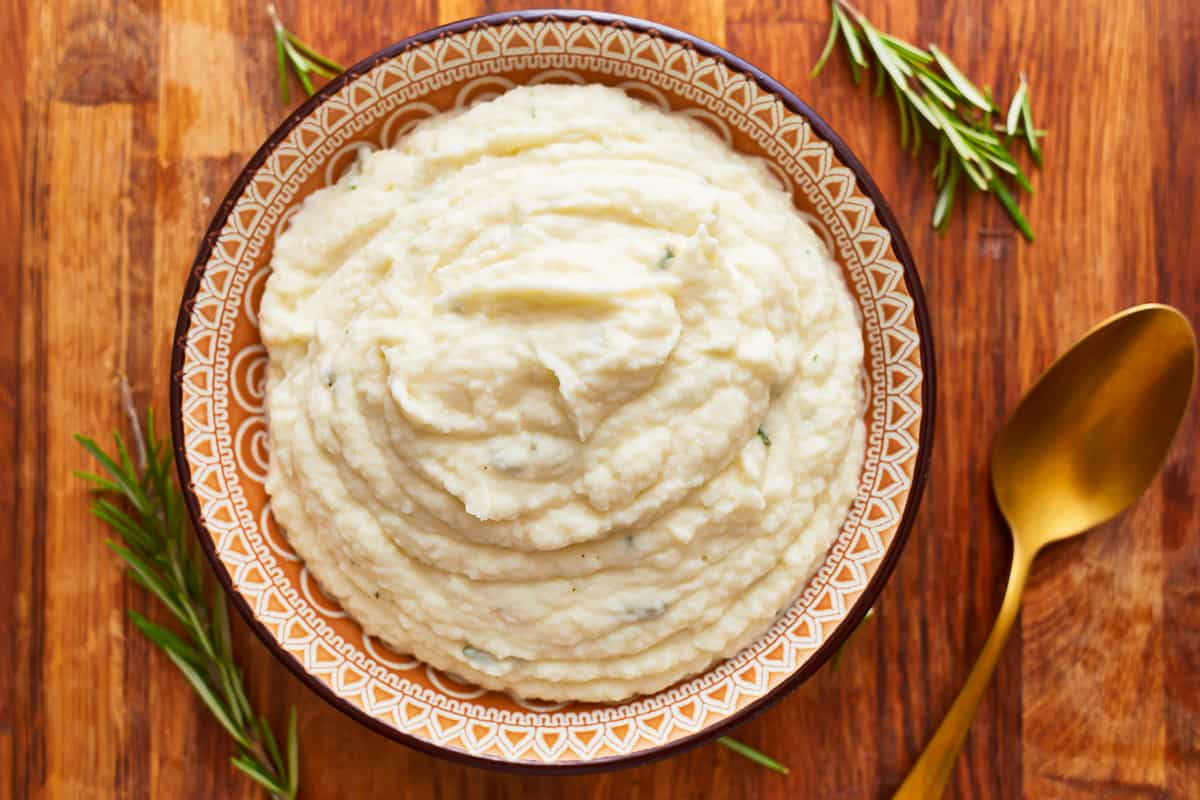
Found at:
[121, 124]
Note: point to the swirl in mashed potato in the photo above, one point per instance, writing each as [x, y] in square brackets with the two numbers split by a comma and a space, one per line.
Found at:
[565, 397]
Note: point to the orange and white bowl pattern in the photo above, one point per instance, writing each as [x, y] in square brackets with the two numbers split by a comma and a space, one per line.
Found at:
[219, 372]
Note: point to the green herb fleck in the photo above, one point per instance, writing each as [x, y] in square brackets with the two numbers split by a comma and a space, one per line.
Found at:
[666, 258]
[645, 611]
[766, 440]
[477, 656]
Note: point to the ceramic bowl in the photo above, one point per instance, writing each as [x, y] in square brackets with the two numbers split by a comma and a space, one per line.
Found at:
[219, 369]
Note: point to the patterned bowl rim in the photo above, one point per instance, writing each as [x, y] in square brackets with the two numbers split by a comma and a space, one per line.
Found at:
[928, 391]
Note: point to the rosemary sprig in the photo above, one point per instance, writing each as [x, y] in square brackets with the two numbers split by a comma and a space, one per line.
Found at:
[292, 53]
[162, 558]
[757, 757]
[936, 102]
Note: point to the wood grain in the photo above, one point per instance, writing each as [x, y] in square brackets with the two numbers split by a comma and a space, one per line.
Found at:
[123, 123]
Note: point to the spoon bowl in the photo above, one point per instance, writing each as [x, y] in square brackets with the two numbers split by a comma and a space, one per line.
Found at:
[1081, 447]
[1093, 432]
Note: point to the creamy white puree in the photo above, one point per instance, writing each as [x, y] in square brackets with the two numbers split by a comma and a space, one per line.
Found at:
[519, 366]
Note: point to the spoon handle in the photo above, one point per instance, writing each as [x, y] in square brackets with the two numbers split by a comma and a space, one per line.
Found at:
[929, 776]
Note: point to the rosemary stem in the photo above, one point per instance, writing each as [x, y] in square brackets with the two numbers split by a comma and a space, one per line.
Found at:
[153, 545]
[135, 424]
[850, 9]
[275, 21]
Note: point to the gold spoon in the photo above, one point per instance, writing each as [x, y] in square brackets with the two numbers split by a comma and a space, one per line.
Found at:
[1082, 445]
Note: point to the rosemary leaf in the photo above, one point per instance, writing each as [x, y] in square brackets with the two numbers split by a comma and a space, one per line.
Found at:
[973, 95]
[1010, 205]
[166, 639]
[285, 88]
[102, 484]
[1039, 133]
[123, 454]
[896, 68]
[945, 200]
[193, 584]
[937, 91]
[939, 171]
[985, 168]
[1014, 108]
[916, 129]
[900, 106]
[293, 753]
[238, 705]
[1023, 180]
[121, 482]
[757, 757]
[261, 776]
[851, 37]
[1027, 116]
[302, 74]
[918, 102]
[829, 43]
[984, 140]
[123, 524]
[978, 178]
[853, 45]
[1000, 163]
[951, 132]
[239, 684]
[218, 709]
[272, 746]
[946, 86]
[907, 51]
[330, 66]
[150, 578]
[220, 624]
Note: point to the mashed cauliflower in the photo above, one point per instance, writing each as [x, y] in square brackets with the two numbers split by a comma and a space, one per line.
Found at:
[565, 397]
